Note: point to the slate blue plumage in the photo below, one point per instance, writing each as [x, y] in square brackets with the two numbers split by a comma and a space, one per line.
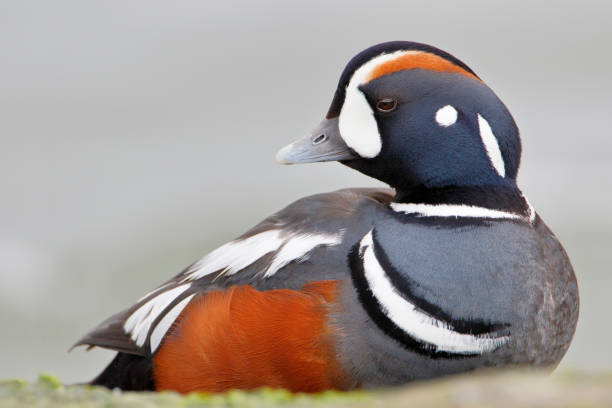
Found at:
[455, 250]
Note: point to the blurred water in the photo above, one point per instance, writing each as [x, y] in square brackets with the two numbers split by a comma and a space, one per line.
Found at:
[136, 136]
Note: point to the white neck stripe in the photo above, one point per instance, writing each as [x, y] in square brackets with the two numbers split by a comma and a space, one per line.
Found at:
[453, 210]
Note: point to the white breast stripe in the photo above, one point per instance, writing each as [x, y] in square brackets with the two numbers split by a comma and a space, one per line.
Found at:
[491, 146]
[410, 319]
[164, 324]
[139, 323]
[298, 247]
[451, 210]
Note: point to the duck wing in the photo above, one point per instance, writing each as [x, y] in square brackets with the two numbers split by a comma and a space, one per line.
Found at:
[307, 241]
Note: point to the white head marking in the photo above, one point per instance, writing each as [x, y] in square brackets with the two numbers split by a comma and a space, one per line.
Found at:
[491, 146]
[357, 124]
[446, 116]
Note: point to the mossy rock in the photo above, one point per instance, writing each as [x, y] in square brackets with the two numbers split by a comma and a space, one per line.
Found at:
[513, 389]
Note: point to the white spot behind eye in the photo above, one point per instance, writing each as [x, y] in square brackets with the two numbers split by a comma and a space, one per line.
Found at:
[446, 116]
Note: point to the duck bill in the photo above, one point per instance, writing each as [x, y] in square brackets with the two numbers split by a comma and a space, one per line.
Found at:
[323, 144]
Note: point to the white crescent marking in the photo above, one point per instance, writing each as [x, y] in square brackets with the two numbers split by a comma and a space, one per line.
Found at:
[413, 321]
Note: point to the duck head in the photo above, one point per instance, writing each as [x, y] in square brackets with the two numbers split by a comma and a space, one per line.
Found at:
[422, 121]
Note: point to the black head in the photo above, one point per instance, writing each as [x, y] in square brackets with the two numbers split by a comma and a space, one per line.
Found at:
[415, 117]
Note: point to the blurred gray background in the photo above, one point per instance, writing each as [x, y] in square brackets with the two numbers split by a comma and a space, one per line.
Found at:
[138, 135]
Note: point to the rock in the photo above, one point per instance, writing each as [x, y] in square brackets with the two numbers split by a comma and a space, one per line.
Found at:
[488, 389]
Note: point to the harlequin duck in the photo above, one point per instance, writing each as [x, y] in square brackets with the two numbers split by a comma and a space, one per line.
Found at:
[449, 272]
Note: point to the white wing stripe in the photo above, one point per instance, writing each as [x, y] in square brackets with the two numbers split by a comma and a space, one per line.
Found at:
[164, 324]
[229, 259]
[297, 248]
[236, 255]
[411, 320]
[139, 323]
[156, 290]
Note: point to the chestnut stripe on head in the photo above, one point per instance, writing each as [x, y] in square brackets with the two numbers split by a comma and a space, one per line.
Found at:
[414, 60]
[357, 123]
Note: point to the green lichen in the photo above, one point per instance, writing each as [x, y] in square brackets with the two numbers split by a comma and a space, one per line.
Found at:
[49, 380]
[513, 389]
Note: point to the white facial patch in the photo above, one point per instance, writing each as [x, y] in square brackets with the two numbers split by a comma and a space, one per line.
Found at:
[446, 116]
[491, 146]
[357, 124]
[413, 321]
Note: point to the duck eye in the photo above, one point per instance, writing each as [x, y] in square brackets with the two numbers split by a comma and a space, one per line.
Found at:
[386, 105]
